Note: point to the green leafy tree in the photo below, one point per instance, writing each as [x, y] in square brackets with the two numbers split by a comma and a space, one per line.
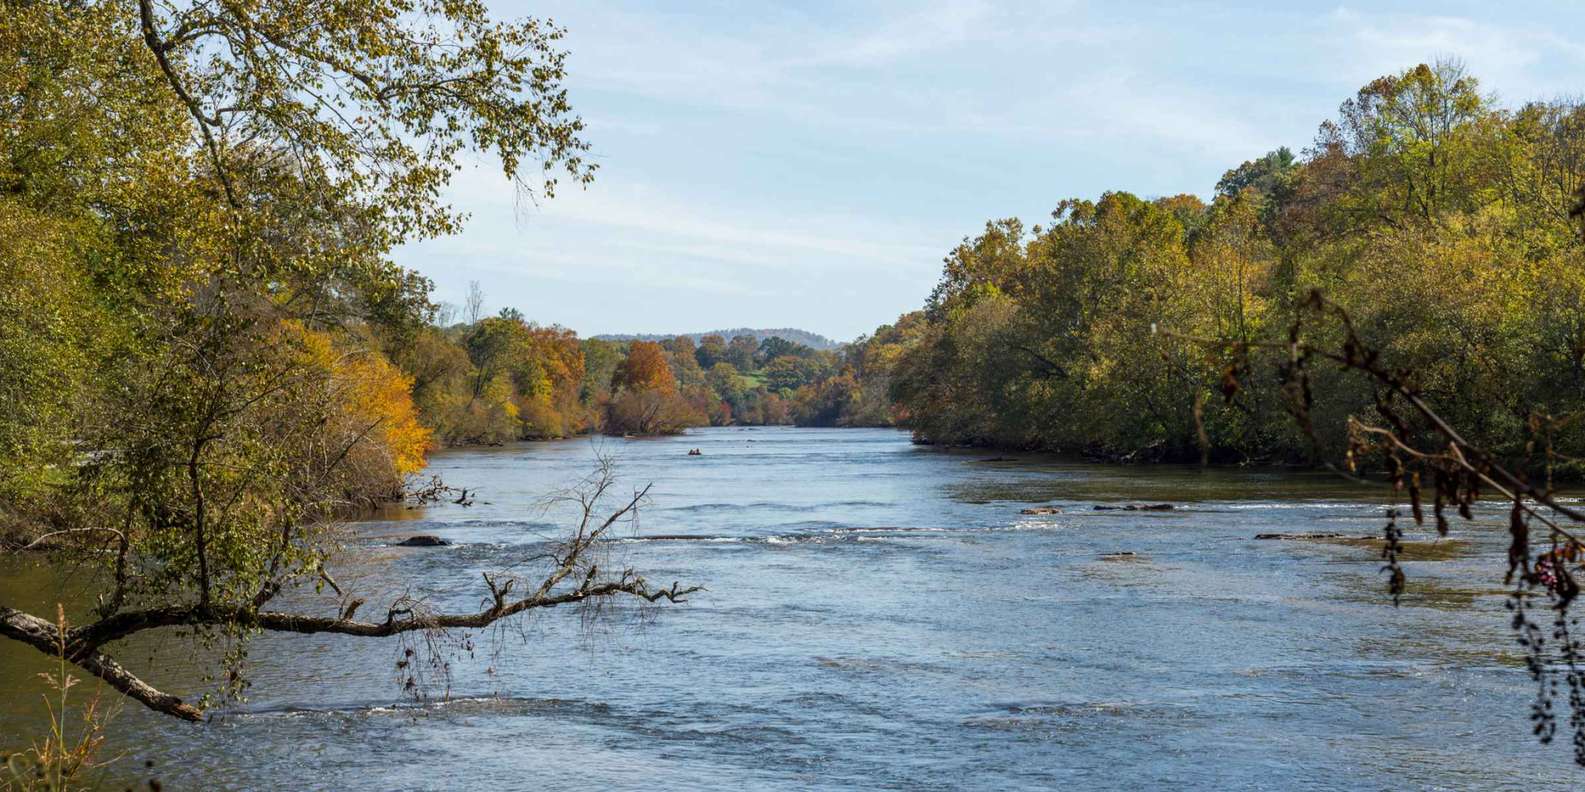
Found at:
[711, 350]
[741, 352]
[208, 195]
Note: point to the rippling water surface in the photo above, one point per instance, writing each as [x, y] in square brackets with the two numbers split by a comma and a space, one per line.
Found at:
[880, 615]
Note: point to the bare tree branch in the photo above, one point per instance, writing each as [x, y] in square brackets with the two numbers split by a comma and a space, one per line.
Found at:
[83, 644]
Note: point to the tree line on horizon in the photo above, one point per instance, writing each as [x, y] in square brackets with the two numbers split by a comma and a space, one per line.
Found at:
[793, 334]
[495, 379]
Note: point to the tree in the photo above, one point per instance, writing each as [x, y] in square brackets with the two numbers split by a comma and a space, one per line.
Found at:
[726, 382]
[775, 346]
[473, 306]
[712, 350]
[683, 359]
[1421, 186]
[1417, 142]
[792, 371]
[601, 359]
[652, 412]
[741, 352]
[415, 85]
[646, 399]
[1268, 176]
[226, 182]
[644, 369]
[831, 402]
[494, 344]
[872, 362]
[46, 343]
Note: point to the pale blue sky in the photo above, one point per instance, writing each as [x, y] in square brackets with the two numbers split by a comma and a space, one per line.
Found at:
[808, 164]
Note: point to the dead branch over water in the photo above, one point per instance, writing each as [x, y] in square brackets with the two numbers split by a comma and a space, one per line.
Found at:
[575, 576]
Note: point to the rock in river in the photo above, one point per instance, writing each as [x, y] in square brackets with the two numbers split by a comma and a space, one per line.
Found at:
[1308, 536]
[423, 540]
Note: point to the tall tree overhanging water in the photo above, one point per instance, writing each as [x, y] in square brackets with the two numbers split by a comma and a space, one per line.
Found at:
[200, 202]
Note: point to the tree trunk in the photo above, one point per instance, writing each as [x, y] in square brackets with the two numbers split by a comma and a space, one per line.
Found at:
[45, 637]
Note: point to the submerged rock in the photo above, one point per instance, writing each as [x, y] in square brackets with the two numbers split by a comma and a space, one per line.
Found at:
[1436, 549]
[423, 540]
[1281, 536]
[1041, 510]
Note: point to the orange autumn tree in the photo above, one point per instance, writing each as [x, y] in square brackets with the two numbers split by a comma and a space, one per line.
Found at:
[645, 399]
[372, 413]
[379, 391]
[645, 368]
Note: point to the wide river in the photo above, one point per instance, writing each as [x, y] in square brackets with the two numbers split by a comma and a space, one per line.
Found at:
[881, 616]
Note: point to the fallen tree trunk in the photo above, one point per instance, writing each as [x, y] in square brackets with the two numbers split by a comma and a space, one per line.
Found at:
[45, 637]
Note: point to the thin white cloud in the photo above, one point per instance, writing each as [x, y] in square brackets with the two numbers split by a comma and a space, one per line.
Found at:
[1520, 59]
[688, 223]
[636, 237]
[938, 26]
[852, 76]
[795, 160]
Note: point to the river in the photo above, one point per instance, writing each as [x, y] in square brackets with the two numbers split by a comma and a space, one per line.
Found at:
[881, 616]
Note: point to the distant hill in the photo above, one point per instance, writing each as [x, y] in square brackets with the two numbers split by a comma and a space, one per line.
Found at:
[804, 337]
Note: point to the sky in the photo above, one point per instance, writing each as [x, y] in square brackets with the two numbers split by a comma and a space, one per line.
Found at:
[809, 164]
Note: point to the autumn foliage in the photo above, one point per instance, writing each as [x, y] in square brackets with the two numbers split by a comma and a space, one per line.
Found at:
[504, 378]
[644, 369]
[1437, 219]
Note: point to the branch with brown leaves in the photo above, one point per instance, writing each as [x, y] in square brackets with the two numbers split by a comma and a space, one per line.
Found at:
[1421, 450]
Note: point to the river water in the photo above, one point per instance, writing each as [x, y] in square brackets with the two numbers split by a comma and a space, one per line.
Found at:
[881, 616]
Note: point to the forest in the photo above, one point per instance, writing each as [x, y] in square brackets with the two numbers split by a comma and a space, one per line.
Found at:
[1441, 222]
[495, 379]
